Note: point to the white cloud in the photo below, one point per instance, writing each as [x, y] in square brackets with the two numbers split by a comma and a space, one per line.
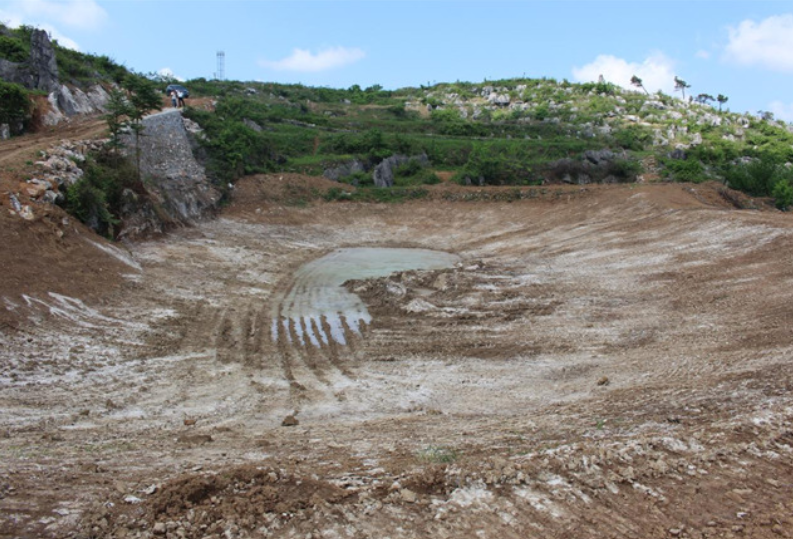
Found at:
[50, 15]
[768, 43]
[782, 111]
[703, 54]
[13, 20]
[63, 41]
[305, 61]
[168, 74]
[75, 14]
[656, 71]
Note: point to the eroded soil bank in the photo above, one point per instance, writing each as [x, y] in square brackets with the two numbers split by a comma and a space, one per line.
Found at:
[607, 362]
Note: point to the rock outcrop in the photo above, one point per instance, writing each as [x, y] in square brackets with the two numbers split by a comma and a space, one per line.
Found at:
[66, 102]
[180, 192]
[43, 65]
[384, 172]
[342, 171]
[594, 166]
[40, 72]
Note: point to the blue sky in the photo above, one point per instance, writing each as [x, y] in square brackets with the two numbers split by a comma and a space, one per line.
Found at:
[743, 50]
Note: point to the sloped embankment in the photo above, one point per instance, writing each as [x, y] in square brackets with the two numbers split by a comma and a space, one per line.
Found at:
[180, 192]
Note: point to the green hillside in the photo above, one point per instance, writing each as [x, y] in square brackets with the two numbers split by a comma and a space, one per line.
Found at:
[507, 132]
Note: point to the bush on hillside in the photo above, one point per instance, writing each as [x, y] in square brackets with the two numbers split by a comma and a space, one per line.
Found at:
[783, 194]
[96, 198]
[413, 173]
[13, 49]
[758, 177]
[15, 104]
[684, 170]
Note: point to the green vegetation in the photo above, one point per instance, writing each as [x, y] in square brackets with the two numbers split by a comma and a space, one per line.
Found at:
[109, 178]
[541, 137]
[15, 104]
[685, 170]
[98, 196]
[14, 49]
[437, 455]
[80, 69]
[763, 177]
[142, 98]
[511, 132]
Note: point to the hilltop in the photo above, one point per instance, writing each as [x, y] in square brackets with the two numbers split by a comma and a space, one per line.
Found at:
[512, 132]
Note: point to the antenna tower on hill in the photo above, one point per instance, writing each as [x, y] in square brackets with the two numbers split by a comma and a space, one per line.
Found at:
[221, 72]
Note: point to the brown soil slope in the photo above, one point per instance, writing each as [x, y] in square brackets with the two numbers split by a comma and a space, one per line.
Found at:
[604, 362]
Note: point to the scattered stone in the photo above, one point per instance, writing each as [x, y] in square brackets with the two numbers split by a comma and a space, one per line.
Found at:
[290, 421]
[408, 495]
[194, 439]
[26, 213]
[604, 381]
[132, 499]
[15, 203]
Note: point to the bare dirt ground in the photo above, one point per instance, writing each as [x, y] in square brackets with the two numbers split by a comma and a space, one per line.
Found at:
[609, 361]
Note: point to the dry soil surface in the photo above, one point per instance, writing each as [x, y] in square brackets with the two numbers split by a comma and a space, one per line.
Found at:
[610, 361]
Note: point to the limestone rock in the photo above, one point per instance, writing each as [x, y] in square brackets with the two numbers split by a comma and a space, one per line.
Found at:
[408, 495]
[43, 65]
[73, 102]
[384, 172]
[40, 72]
[342, 171]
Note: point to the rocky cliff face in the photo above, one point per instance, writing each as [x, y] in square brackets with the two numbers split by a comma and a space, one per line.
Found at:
[180, 193]
[43, 65]
[40, 72]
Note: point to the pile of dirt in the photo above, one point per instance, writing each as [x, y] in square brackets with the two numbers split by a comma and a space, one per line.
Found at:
[53, 254]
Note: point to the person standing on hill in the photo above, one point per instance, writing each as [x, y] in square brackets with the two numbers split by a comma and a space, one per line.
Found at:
[173, 98]
[180, 96]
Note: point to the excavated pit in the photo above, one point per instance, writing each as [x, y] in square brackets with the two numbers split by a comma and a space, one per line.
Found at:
[613, 361]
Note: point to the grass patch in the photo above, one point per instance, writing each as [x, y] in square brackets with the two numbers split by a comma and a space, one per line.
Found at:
[435, 454]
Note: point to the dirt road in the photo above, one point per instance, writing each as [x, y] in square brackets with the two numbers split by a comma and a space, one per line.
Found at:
[604, 362]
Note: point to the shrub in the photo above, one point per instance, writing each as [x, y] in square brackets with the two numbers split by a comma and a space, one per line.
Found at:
[685, 170]
[632, 137]
[336, 194]
[96, 198]
[783, 194]
[13, 49]
[757, 178]
[14, 103]
[413, 173]
[411, 168]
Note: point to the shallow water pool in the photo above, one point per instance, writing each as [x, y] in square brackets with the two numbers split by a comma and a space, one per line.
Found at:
[319, 308]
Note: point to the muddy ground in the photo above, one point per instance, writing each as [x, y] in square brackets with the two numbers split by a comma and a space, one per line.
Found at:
[610, 361]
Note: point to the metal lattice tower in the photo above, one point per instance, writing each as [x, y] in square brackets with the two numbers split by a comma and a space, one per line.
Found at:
[221, 72]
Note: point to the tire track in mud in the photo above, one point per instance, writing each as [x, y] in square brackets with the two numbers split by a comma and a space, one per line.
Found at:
[307, 349]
